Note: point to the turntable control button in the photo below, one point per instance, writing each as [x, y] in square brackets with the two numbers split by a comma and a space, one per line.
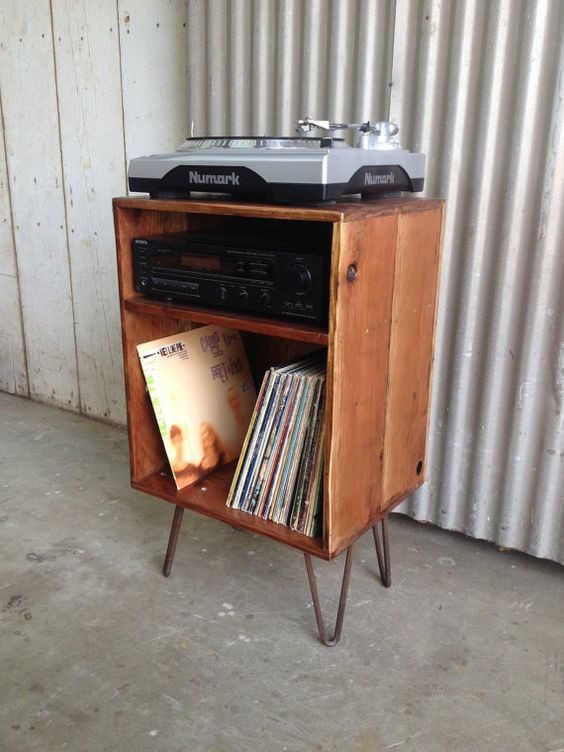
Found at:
[221, 293]
[264, 300]
[299, 278]
[243, 295]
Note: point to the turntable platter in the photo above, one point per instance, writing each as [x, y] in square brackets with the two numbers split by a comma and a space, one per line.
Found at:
[255, 142]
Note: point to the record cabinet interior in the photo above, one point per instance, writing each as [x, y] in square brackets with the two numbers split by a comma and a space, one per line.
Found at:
[384, 260]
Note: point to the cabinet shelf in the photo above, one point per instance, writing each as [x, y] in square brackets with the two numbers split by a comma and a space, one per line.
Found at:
[208, 496]
[297, 331]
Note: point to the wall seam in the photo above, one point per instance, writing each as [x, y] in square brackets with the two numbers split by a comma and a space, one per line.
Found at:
[390, 57]
[121, 97]
[64, 192]
[17, 274]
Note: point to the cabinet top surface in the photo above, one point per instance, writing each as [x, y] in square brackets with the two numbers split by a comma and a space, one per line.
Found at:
[340, 211]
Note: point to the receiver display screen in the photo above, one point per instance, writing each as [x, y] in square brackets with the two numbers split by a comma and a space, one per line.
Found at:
[200, 262]
[190, 262]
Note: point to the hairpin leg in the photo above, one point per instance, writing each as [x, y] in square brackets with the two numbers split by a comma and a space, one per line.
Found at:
[172, 540]
[383, 561]
[342, 599]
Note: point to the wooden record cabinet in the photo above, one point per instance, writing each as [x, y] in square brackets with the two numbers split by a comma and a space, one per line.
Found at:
[384, 262]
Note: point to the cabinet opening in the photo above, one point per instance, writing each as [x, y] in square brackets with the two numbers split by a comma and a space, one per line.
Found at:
[209, 494]
[237, 267]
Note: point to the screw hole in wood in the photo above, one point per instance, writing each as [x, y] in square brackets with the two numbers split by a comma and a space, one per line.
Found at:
[351, 273]
[419, 467]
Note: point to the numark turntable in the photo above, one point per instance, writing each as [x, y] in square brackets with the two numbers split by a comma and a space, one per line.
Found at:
[292, 169]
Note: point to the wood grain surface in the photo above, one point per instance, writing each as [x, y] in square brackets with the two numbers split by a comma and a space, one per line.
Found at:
[411, 350]
[208, 497]
[361, 303]
[340, 211]
[233, 320]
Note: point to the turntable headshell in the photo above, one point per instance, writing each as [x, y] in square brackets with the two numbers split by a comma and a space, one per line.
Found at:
[379, 135]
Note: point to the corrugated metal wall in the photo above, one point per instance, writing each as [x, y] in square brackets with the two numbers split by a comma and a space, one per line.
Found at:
[477, 86]
[485, 103]
[256, 67]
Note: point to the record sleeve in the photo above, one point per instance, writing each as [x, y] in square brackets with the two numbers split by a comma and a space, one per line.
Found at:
[203, 396]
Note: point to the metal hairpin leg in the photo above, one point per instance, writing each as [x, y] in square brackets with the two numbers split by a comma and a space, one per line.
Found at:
[342, 599]
[172, 540]
[383, 561]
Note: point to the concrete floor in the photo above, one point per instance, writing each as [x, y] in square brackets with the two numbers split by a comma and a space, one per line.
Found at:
[98, 652]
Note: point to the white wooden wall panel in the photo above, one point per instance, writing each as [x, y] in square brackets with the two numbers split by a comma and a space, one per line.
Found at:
[13, 370]
[153, 60]
[29, 102]
[84, 87]
[13, 373]
[87, 55]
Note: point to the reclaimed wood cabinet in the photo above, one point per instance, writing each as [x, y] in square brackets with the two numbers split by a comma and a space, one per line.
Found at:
[384, 260]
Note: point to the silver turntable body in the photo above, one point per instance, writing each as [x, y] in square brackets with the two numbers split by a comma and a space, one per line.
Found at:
[295, 169]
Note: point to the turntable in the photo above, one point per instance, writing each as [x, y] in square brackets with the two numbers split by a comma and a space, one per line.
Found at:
[293, 169]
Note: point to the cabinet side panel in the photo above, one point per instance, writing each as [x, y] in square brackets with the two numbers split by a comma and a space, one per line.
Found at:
[357, 375]
[411, 352]
[146, 451]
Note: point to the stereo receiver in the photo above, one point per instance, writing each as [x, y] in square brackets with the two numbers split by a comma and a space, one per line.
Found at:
[240, 272]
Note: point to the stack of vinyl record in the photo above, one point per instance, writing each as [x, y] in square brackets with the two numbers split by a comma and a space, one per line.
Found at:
[279, 474]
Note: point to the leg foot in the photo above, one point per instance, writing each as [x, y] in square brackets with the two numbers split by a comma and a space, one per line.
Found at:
[172, 540]
[342, 599]
[384, 564]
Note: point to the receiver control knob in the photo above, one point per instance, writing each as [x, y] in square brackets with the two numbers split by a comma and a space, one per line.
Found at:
[243, 295]
[264, 300]
[298, 278]
[221, 293]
